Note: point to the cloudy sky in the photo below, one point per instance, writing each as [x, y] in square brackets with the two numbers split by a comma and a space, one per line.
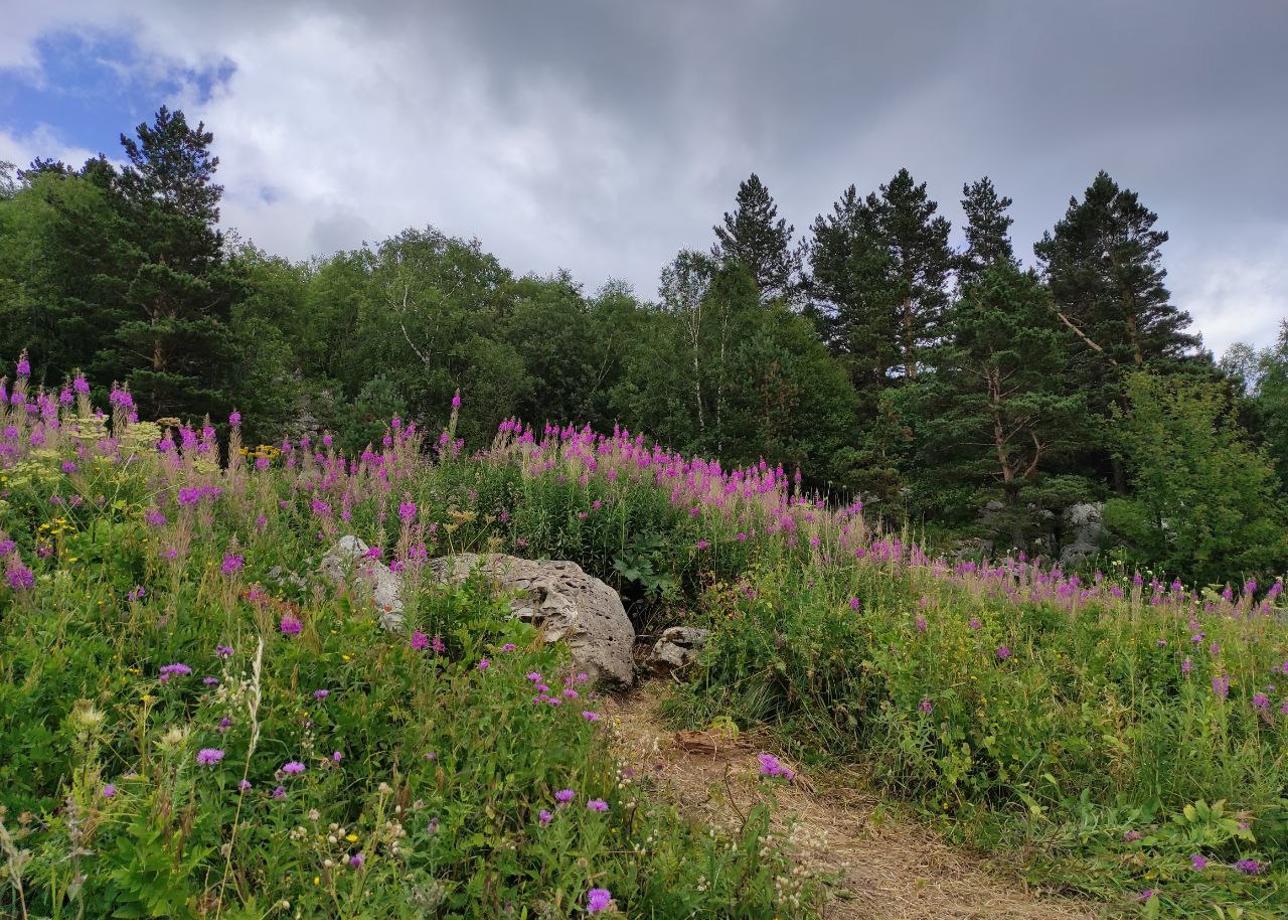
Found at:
[602, 136]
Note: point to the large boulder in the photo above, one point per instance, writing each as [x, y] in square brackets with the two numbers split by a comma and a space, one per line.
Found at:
[567, 604]
[348, 561]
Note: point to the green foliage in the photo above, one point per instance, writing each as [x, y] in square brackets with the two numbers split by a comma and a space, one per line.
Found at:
[1204, 504]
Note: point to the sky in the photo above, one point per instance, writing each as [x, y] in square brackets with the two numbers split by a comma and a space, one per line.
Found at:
[603, 136]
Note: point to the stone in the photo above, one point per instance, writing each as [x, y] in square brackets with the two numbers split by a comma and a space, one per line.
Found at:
[565, 603]
[677, 647]
[1084, 532]
[347, 558]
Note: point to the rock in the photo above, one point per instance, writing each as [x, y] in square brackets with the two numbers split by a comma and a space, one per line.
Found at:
[677, 648]
[1085, 531]
[567, 604]
[349, 557]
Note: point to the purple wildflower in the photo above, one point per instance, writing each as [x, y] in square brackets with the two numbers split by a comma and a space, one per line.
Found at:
[232, 563]
[1003, 652]
[484, 664]
[587, 714]
[419, 641]
[223, 651]
[108, 791]
[321, 694]
[208, 757]
[290, 626]
[356, 861]
[292, 768]
[178, 669]
[279, 792]
[1250, 866]
[1199, 862]
[545, 817]
[597, 805]
[598, 899]
[564, 796]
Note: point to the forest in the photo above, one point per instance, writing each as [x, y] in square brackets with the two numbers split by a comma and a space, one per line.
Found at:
[955, 392]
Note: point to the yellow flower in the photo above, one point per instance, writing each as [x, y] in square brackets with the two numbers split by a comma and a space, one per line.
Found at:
[317, 880]
[352, 838]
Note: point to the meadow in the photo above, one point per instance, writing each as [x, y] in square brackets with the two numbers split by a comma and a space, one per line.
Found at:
[192, 724]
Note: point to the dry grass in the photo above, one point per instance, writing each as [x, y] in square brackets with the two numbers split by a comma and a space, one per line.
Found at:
[879, 865]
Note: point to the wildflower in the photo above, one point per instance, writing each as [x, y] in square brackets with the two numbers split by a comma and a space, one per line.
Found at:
[279, 792]
[855, 603]
[926, 705]
[534, 676]
[108, 791]
[597, 805]
[290, 626]
[292, 768]
[589, 716]
[545, 817]
[1145, 895]
[1261, 701]
[598, 899]
[1187, 666]
[234, 419]
[208, 757]
[921, 623]
[975, 623]
[1132, 836]
[564, 796]
[702, 544]
[232, 563]
[1250, 866]
[356, 861]
[1199, 862]
[20, 577]
[419, 641]
[1221, 686]
[336, 757]
[407, 512]
[178, 669]
[508, 647]
[321, 694]
[772, 766]
[224, 724]
[210, 681]
[484, 664]
[437, 646]
[24, 366]
[1003, 652]
[244, 785]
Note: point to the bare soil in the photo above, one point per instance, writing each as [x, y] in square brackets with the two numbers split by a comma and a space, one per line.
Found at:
[877, 863]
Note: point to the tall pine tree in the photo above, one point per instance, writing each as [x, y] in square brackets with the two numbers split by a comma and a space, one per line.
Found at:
[988, 231]
[756, 237]
[174, 345]
[1103, 264]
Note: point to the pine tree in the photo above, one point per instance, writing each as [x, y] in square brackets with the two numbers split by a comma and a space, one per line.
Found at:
[756, 237]
[1103, 264]
[174, 346]
[988, 240]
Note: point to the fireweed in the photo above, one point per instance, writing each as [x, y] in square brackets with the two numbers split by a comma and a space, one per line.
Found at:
[1013, 700]
[242, 735]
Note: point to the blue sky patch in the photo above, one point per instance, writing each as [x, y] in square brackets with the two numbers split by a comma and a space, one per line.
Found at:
[93, 87]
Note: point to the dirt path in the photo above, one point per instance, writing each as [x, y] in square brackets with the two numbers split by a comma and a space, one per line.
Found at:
[885, 867]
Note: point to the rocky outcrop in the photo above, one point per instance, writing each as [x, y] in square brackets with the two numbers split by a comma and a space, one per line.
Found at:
[676, 648]
[348, 561]
[1084, 532]
[568, 606]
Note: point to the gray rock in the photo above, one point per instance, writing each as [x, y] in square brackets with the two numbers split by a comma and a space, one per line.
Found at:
[348, 559]
[677, 647]
[568, 605]
[1084, 530]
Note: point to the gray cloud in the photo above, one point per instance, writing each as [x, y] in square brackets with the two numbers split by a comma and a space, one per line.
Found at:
[602, 136]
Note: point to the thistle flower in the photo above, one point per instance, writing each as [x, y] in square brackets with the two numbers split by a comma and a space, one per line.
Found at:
[321, 694]
[419, 641]
[233, 563]
[178, 669]
[926, 705]
[772, 766]
[597, 805]
[1003, 652]
[292, 768]
[598, 899]
[483, 664]
[208, 757]
[589, 716]
[223, 651]
[564, 796]
[545, 817]
[109, 791]
[1199, 862]
[290, 626]
[1250, 866]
